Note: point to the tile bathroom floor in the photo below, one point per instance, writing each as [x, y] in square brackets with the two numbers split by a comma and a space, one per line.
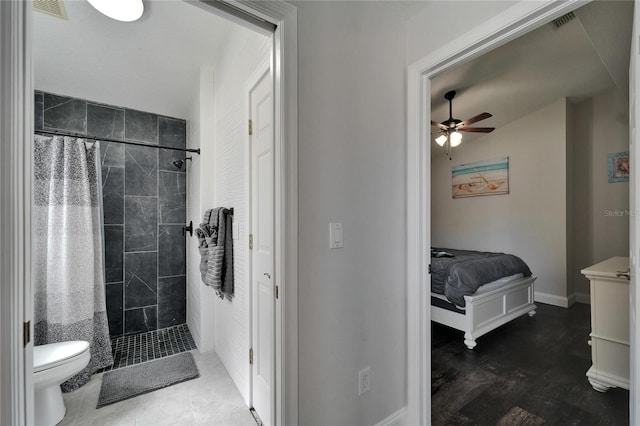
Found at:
[211, 399]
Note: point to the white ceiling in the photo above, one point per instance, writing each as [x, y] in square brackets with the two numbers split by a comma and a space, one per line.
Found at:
[575, 61]
[152, 64]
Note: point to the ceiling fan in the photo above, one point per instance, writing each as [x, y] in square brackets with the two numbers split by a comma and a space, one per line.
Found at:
[451, 127]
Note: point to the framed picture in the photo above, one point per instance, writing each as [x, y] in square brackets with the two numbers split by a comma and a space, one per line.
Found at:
[619, 167]
[490, 177]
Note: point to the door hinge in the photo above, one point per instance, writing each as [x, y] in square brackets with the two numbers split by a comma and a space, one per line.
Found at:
[429, 268]
[277, 293]
[26, 333]
[250, 241]
[251, 356]
[250, 127]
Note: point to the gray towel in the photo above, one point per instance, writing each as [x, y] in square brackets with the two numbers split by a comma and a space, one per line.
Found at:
[225, 238]
[204, 232]
[216, 250]
[214, 271]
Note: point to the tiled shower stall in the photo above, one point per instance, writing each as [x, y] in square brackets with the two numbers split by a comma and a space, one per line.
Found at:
[144, 198]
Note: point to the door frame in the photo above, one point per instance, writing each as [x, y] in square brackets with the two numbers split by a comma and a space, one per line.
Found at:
[16, 113]
[262, 69]
[634, 228]
[519, 19]
[16, 147]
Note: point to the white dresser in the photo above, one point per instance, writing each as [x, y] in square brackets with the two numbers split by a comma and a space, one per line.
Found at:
[609, 323]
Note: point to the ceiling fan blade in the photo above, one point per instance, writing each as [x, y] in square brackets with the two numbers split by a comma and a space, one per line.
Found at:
[476, 129]
[479, 117]
[443, 127]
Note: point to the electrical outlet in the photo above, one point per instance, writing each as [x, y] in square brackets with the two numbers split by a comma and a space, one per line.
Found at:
[364, 381]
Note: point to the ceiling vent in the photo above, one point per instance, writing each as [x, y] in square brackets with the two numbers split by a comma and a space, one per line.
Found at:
[51, 7]
[564, 19]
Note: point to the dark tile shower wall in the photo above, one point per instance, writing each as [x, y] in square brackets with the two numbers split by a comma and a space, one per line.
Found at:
[144, 208]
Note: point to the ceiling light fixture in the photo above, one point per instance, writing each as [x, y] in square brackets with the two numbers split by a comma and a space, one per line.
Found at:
[450, 129]
[449, 139]
[455, 138]
[120, 10]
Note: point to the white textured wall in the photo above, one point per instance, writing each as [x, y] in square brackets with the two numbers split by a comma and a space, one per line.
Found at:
[601, 128]
[193, 209]
[352, 149]
[200, 178]
[530, 221]
[216, 178]
[244, 51]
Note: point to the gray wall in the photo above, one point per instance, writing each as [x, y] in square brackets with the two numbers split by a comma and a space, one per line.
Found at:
[144, 208]
[601, 218]
[351, 161]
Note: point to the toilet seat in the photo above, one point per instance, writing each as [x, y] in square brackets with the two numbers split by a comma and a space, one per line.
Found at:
[55, 354]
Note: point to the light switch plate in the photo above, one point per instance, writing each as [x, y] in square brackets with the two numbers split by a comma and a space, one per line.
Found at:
[335, 236]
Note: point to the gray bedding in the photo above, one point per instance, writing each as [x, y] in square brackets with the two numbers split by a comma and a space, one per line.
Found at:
[462, 273]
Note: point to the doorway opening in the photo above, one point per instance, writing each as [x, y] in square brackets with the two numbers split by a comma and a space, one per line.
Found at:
[422, 89]
[280, 18]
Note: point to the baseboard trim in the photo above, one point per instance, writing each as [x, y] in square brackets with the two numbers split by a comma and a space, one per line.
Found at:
[552, 299]
[399, 418]
[583, 298]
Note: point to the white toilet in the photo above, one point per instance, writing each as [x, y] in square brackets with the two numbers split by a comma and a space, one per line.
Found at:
[52, 365]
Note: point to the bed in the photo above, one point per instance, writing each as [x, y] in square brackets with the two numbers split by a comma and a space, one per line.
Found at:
[476, 292]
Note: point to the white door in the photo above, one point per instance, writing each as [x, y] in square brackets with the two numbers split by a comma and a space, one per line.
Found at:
[262, 256]
[634, 237]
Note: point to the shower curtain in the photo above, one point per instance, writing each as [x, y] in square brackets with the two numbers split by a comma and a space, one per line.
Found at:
[68, 250]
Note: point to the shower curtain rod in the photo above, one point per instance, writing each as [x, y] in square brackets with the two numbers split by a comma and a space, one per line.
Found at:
[95, 138]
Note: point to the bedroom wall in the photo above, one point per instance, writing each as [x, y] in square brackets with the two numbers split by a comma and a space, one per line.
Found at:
[610, 134]
[582, 197]
[530, 221]
[570, 200]
[601, 220]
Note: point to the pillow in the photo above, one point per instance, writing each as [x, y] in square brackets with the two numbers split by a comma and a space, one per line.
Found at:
[439, 253]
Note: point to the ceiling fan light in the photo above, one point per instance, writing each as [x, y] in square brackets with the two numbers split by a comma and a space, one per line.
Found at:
[120, 10]
[455, 138]
[440, 140]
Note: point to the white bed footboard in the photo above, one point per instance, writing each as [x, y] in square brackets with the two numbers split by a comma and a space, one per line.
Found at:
[487, 310]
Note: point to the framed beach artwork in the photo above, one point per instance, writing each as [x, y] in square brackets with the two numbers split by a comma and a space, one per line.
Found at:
[619, 167]
[490, 177]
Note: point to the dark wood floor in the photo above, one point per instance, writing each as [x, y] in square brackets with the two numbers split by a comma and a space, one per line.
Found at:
[528, 372]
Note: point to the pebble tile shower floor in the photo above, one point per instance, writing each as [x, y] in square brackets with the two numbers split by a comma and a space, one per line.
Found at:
[143, 347]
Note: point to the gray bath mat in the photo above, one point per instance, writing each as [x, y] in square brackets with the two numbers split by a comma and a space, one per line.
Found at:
[128, 382]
